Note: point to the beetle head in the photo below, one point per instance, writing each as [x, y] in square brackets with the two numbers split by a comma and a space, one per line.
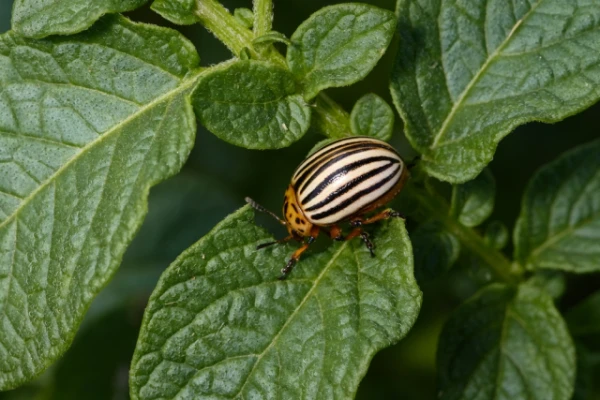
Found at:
[297, 223]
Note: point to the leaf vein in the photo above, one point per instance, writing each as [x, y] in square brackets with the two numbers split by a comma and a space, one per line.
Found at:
[181, 88]
[445, 125]
[291, 317]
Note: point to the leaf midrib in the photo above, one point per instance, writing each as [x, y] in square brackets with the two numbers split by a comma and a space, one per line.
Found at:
[556, 238]
[455, 108]
[292, 315]
[186, 83]
[317, 65]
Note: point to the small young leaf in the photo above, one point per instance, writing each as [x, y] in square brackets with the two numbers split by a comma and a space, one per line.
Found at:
[496, 235]
[504, 344]
[559, 224]
[87, 124]
[435, 249]
[252, 104]
[552, 282]
[38, 19]
[467, 73]
[339, 45]
[220, 324]
[181, 12]
[245, 16]
[372, 116]
[473, 202]
[584, 318]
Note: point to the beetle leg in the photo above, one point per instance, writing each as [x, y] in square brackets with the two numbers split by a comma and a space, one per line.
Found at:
[364, 236]
[285, 239]
[385, 214]
[290, 265]
[335, 233]
[296, 256]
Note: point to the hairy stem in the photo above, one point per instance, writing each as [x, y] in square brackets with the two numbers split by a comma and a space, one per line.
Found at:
[263, 16]
[224, 26]
[331, 119]
[435, 207]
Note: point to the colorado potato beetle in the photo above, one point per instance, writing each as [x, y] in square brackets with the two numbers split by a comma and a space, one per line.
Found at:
[342, 181]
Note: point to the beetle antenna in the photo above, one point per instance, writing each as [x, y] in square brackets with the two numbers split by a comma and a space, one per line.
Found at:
[260, 208]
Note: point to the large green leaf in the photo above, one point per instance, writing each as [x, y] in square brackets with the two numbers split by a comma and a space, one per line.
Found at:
[339, 45]
[220, 324]
[38, 19]
[87, 124]
[559, 224]
[469, 72]
[506, 343]
[252, 104]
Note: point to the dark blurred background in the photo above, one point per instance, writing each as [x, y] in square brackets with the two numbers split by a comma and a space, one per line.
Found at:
[215, 181]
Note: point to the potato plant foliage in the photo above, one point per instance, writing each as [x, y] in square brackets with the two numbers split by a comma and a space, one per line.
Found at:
[97, 107]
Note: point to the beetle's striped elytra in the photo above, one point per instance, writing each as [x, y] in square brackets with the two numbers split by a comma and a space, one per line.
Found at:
[340, 182]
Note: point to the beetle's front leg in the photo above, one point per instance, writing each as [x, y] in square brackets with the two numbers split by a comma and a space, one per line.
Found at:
[296, 256]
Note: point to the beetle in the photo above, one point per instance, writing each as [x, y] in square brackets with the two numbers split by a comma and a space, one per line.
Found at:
[342, 181]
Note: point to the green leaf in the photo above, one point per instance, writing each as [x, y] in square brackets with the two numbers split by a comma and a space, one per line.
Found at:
[467, 73]
[435, 249]
[339, 45]
[252, 104]
[181, 12]
[496, 235]
[552, 282]
[38, 19]
[506, 343]
[559, 224]
[584, 318]
[473, 202]
[220, 325]
[87, 124]
[372, 116]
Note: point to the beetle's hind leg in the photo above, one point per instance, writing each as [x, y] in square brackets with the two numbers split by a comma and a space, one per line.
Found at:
[336, 234]
[364, 236]
[359, 221]
[385, 214]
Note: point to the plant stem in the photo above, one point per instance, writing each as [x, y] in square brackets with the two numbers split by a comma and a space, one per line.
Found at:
[330, 118]
[436, 207]
[224, 26]
[263, 16]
